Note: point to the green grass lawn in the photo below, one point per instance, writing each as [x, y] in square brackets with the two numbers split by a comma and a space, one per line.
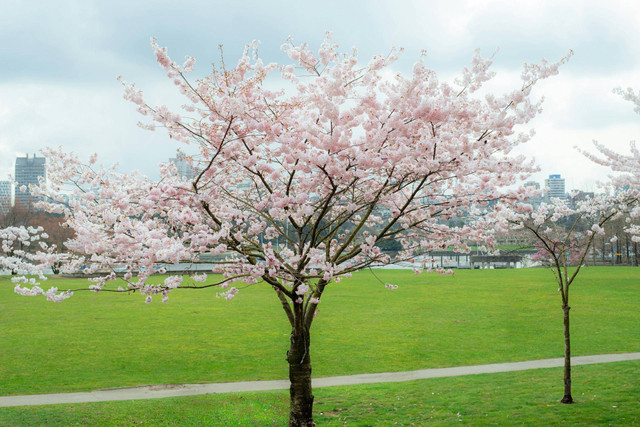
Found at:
[606, 394]
[482, 316]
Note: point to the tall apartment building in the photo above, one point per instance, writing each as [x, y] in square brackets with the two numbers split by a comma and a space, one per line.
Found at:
[555, 184]
[27, 171]
[534, 200]
[5, 196]
[185, 170]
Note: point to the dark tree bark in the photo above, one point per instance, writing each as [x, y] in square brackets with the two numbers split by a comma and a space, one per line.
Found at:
[626, 247]
[567, 398]
[301, 397]
[300, 317]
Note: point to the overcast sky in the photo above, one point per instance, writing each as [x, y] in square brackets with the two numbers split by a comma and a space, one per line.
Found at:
[59, 63]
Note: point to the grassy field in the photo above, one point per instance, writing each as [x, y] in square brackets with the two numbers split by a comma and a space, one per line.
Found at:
[607, 394]
[482, 316]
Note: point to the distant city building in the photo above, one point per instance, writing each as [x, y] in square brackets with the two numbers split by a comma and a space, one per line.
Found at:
[621, 189]
[185, 170]
[555, 184]
[535, 200]
[5, 196]
[579, 195]
[27, 171]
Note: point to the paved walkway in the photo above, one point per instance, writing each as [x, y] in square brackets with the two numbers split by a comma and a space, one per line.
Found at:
[171, 390]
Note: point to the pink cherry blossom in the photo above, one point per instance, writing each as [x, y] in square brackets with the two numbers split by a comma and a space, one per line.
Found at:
[305, 170]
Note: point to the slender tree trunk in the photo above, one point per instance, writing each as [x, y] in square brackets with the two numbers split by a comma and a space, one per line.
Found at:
[301, 397]
[626, 247]
[567, 398]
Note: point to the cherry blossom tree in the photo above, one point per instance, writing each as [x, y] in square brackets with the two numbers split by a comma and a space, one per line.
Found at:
[626, 168]
[26, 219]
[563, 234]
[298, 187]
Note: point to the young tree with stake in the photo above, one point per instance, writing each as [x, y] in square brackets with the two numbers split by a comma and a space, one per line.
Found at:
[297, 188]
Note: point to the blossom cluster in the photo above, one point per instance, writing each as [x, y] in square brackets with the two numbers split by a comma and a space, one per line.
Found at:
[625, 168]
[563, 230]
[299, 188]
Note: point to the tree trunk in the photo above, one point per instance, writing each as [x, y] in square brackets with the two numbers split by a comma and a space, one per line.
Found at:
[626, 248]
[567, 398]
[301, 397]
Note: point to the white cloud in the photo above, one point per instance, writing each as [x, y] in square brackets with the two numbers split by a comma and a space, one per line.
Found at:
[83, 120]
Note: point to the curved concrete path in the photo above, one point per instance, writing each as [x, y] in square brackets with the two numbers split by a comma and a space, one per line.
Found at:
[172, 390]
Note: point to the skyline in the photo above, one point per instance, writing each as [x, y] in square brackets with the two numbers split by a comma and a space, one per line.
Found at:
[554, 183]
[59, 84]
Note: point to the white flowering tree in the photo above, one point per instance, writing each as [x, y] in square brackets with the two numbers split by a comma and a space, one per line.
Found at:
[563, 234]
[626, 167]
[295, 188]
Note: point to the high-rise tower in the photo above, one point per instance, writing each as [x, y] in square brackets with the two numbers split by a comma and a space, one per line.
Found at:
[5, 196]
[185, 170]
[555, 184]
[27, 171]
